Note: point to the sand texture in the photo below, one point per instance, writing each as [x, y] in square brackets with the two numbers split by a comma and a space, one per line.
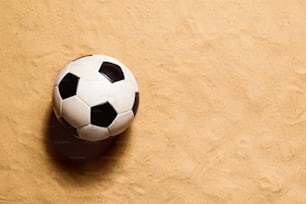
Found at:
[222, 101]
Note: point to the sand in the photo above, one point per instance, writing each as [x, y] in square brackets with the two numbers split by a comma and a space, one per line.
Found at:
[222, 101]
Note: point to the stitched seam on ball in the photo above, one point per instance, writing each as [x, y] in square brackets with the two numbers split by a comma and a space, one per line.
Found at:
[82, 100]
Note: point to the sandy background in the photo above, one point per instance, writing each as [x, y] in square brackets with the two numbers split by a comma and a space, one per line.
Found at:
[222, 112]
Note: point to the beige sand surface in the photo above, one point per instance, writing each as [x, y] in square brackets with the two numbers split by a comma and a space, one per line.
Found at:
[222, 115]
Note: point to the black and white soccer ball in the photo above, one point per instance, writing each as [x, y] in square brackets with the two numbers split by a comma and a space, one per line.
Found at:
[95, 96]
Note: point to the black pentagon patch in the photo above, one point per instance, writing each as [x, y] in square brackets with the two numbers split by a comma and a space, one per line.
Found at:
[136, 103]
[68, 126]
[68, 86]
[102, 115]
[111, 71]
[81, 57]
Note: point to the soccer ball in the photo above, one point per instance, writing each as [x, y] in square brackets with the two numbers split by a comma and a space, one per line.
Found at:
[96, 97]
